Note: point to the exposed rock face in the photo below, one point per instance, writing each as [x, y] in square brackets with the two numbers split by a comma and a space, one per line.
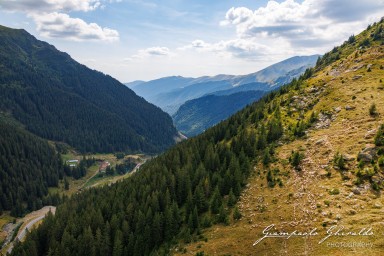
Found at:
[357, 77]
[356, 191]
[321, 141]
[368, 153]
[377, 179]
[324, 121]
[349, 107]
[370, 134]
[348, 157]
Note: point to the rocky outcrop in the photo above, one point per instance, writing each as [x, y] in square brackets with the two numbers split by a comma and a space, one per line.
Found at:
[367, 154]
[349, 107]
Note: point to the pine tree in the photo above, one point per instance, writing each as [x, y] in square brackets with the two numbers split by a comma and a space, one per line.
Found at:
[231, 199]
[223, 216]
[236, 214]
[66, 183]
[117, 245]
[216, 201]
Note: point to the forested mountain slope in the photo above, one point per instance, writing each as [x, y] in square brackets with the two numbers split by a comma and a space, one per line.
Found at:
[197, 115]
[28, 166]
[59, 99]
[310, 152]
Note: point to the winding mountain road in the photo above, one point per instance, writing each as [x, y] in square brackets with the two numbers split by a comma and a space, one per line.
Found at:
[29, 221]
[23, 232]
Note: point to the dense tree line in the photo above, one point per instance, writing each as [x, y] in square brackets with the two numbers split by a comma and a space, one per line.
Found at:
[59, 99]
[28, 166]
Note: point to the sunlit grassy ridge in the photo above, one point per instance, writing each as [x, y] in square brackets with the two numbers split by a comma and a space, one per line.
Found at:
[341, 91]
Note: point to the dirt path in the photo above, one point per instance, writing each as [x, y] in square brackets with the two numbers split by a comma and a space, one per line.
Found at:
[85, 183]
[117, 178]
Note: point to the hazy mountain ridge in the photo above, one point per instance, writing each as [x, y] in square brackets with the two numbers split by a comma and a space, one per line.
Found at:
[198, 114]
[134, 83]
[170, 93]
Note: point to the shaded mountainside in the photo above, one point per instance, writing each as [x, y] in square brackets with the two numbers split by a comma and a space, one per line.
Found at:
[169, 93]
[59, 99]
[197, 115]
[308, 155]
[171, 101]
[28, 166]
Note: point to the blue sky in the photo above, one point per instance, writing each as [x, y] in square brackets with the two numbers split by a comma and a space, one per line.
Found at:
[144, 40]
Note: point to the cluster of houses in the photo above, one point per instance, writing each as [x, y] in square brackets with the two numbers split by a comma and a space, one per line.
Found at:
[103, 166]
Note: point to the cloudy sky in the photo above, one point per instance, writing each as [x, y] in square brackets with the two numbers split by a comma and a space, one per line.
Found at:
[144, 40]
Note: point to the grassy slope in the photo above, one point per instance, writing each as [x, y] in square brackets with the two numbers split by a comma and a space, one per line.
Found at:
[91, 179]
[299, 204]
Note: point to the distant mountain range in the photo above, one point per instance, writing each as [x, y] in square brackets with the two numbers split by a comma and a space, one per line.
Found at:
[169, 93]
[57, 98]
[134, 83]
[196, 115]
[191, 103]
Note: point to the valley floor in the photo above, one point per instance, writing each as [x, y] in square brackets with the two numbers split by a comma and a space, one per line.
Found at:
[10, 225]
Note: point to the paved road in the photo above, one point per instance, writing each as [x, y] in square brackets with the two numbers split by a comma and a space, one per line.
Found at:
[23, 232]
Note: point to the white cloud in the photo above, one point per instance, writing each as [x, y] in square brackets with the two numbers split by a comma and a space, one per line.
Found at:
[347, 10]
[50, 5]
[237, 15]
[244, 48]
[53, 21]
[150, 52]
[162, 51]
[291, 28]
[311, 22]
[60, 25]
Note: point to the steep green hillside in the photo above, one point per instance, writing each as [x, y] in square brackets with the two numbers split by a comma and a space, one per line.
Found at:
[290, 159]
[28, 166]
[197, 115]
[59, 99]
[330, 165]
